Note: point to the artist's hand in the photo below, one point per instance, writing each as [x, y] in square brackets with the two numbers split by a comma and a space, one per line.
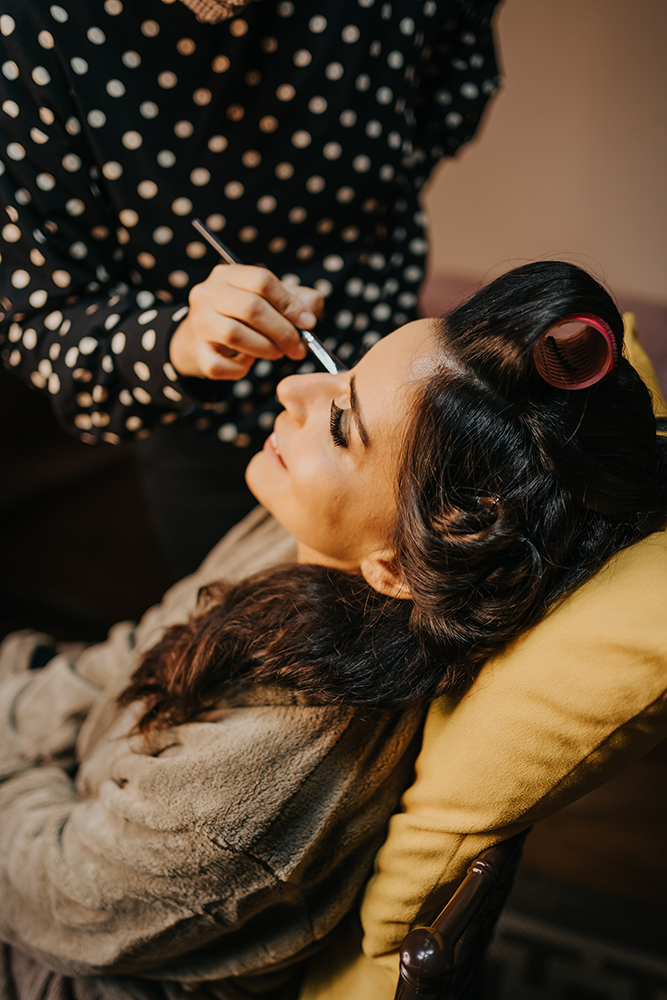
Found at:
[238, 314]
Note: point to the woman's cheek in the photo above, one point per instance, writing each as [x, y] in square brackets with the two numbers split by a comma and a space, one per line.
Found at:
[317, 479]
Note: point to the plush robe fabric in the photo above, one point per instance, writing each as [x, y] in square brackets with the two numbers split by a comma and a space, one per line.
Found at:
[221, 852]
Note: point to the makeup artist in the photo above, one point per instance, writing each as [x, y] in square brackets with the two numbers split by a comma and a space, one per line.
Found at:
[301, 133]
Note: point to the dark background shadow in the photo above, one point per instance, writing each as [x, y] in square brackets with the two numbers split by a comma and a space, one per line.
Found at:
[77, 551]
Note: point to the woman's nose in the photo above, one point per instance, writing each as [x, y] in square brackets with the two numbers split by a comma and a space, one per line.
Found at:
[297, 393]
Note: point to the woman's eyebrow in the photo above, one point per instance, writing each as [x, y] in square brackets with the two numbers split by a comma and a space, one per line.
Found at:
[354, 406]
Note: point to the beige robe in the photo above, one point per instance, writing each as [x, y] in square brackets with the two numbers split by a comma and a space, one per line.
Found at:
[226, 847]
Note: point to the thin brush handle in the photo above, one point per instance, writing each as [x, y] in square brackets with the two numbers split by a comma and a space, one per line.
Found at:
[332, 364]
[217, 244]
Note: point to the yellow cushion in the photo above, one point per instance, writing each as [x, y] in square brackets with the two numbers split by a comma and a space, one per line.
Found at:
[569, 704]
[640, 360]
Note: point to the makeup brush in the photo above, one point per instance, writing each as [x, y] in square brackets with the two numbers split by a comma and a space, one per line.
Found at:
[324, 356]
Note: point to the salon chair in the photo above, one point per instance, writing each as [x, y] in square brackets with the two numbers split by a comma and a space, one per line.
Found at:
[443, 961]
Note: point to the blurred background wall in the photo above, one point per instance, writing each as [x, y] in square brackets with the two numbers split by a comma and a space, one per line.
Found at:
[572, 161]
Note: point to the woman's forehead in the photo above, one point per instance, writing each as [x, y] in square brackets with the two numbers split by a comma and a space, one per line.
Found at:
[406, 355]
[386, 380]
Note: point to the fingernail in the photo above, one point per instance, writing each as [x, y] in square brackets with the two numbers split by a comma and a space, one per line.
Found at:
[307, 319]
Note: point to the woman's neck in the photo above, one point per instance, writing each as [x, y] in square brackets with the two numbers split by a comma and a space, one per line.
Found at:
[304, 554]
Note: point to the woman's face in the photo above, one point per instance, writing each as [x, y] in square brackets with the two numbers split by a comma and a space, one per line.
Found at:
[328, 472]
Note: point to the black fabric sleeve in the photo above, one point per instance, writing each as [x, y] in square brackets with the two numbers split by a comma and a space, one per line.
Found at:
[71, 323]
[456, 78]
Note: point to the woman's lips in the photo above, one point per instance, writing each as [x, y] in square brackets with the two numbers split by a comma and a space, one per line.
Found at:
[272, 445]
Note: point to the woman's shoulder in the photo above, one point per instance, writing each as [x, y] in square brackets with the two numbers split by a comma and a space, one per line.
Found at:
[255, 543]
[231, 777]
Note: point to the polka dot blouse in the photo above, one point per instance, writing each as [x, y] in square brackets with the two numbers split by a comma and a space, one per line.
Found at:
[301, 132]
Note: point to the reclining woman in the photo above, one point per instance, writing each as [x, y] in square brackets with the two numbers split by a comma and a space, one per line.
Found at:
[195, 803]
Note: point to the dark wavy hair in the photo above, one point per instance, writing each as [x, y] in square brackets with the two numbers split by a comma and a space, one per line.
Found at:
[511, 494]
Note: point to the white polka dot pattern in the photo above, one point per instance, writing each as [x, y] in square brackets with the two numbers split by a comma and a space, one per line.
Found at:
[327, 124]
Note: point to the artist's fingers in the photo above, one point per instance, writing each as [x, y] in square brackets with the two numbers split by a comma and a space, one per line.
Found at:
[254, 312]
[310, 300]
[205, 337]
[215, 364]
[236, 291]
[299, 304]
[242, 310]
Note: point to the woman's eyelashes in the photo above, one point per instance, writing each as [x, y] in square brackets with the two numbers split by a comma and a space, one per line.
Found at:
[335, 426]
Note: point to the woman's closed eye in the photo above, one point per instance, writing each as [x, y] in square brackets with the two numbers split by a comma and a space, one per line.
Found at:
[335, 426]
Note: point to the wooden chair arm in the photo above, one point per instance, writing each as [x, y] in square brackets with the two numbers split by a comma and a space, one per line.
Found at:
[430, 955]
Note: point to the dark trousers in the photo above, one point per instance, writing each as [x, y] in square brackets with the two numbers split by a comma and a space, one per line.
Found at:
[195, 487]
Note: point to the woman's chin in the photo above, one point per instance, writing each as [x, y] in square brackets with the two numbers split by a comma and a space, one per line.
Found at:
[259, 481]
[253, 478]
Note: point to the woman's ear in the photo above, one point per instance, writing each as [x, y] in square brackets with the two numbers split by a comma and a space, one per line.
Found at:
[380, 572]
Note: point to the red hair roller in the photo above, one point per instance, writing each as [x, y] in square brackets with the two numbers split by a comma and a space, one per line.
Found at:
[576, 352]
